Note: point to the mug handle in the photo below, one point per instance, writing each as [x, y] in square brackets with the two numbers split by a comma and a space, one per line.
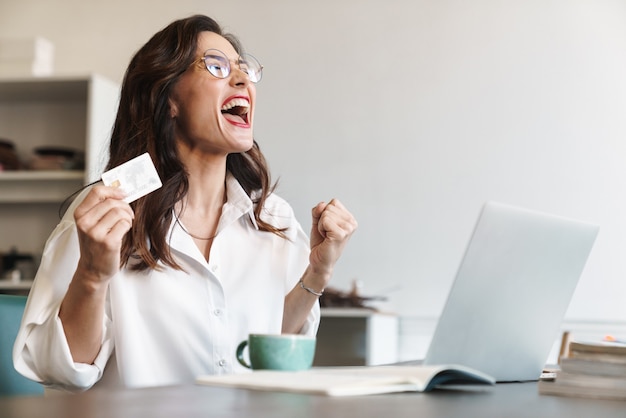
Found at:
[240, 358]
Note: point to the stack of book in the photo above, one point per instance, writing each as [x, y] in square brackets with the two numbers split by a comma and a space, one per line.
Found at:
[591, 370]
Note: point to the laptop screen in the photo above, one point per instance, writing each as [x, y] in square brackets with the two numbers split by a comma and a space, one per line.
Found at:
[512, 289]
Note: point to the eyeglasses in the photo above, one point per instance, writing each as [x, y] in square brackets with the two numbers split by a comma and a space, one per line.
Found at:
[219, 66]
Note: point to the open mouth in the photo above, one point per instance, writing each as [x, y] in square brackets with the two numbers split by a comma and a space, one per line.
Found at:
[236, 110]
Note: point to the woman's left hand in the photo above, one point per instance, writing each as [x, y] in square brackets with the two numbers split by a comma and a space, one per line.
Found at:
[331, 229]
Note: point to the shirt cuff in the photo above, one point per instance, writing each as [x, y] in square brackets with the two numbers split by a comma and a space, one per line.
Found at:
[53, 364]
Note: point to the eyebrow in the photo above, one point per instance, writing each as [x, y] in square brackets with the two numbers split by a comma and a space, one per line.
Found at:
[238, 59]
[213, 56]
[206, 53]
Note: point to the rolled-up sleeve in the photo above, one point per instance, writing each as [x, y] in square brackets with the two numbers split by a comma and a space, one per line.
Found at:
[41, 351]
[43, 355]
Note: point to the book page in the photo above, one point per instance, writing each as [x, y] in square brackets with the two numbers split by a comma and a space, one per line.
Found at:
[350, 381]
[598, 347]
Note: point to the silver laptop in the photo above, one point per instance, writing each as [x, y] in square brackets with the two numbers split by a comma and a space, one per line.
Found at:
[504, 310]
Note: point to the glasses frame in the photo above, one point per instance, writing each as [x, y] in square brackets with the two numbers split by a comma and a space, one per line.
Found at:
[243, 58]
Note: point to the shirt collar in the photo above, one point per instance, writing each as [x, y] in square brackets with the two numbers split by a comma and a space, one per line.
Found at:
[238, 203]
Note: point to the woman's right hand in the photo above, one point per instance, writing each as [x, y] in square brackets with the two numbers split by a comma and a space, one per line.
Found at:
[102, 220]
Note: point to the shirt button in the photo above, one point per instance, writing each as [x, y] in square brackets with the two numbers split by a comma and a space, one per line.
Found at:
[214, 268]
[217, 312]
[222, 363]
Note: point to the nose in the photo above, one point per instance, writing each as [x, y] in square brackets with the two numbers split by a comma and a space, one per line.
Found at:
[238, 77]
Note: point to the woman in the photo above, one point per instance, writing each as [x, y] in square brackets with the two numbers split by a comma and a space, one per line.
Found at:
[161, 290]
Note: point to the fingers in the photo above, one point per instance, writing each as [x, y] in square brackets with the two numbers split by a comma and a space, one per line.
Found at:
[317, 212]
[97, 195]
[112, 226]
[332, 227]
[333, 220]
[102, 220]
[104, 215]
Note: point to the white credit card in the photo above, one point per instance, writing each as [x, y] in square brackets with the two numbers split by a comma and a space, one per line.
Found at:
[136, 177]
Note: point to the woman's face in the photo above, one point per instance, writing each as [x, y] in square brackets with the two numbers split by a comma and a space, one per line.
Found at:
[213, 115]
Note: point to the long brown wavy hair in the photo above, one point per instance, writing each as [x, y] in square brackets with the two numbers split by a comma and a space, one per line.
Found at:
[143, 125]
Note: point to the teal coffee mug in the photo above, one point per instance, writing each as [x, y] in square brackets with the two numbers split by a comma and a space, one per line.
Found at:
[277, 352]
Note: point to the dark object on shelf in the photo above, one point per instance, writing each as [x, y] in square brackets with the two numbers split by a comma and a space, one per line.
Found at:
[8, 156]
[57, 158]
[333, 298]
[16, 264]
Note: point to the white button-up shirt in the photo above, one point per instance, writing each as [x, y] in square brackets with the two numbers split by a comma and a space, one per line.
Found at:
[167, 327]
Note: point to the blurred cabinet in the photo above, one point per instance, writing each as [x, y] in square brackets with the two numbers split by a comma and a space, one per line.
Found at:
[356, 337]
[71, 112]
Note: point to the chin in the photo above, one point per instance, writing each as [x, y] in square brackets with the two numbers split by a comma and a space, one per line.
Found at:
[243, 146]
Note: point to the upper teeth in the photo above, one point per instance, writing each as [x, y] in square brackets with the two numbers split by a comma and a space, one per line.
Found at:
[234, 103]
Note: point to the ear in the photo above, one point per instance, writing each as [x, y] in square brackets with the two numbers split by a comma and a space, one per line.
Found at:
[173, 109]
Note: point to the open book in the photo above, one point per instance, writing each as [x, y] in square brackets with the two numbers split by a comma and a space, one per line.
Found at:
[353, 381]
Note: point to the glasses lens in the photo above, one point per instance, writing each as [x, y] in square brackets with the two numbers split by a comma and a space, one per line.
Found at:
[251, 66]
[217, 63]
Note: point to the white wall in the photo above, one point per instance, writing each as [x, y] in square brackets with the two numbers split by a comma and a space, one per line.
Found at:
[413, 113]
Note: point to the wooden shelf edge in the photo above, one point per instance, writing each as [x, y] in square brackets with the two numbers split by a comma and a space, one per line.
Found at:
[6, 284]
[352, 312]
[41, 175]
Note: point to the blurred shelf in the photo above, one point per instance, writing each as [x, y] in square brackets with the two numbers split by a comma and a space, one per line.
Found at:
[351, 312]
[39, 186]
[44, 89]
[12, 285]
[75, 112]
[356, 337]
[41, 175]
